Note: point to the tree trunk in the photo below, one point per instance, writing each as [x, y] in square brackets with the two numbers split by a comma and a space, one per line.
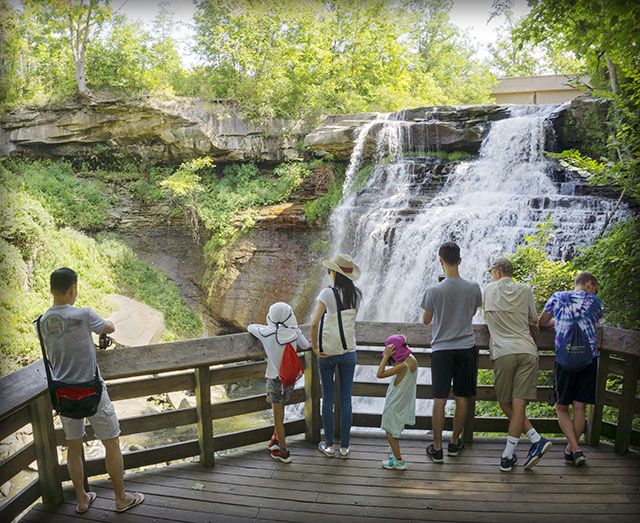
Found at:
[81, 77]
[613, 76]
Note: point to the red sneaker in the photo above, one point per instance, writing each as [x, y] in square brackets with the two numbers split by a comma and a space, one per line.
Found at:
[277, 454]
[273, 444]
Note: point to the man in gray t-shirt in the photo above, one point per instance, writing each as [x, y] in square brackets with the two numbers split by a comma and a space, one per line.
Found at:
[66, 333]
[450, 306]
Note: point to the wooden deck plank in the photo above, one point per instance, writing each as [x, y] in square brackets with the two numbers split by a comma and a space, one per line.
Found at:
[248, 484]
[379, 486]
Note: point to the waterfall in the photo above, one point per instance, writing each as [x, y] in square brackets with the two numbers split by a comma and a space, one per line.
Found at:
[408, 207]
[412, 202]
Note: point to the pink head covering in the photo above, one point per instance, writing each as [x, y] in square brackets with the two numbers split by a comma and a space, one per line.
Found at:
[402, 349]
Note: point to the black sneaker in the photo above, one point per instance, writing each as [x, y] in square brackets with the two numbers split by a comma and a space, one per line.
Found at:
[455, 448]
[568, 456]
[578, 458]
[506, 464]
[435, 455]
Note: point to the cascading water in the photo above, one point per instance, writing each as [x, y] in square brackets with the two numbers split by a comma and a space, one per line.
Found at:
[394, 224]
[410, 205]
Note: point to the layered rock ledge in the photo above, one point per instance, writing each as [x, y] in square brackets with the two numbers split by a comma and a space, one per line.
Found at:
[169, 131]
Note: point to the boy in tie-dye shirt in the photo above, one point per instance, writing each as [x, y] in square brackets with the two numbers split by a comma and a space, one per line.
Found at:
[576, 388]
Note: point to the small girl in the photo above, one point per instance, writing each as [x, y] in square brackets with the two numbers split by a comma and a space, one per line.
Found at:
[281, 329]
[400, 402]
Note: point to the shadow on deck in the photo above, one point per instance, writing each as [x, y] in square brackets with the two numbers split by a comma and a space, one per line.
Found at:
[248, 485]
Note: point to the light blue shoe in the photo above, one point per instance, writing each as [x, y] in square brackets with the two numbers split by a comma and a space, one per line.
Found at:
[394, 464]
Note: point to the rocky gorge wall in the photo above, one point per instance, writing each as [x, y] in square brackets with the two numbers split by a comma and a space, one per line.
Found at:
[165, 131]
[278, 259]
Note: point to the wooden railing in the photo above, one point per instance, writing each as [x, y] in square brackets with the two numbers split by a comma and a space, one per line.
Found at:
[202, 363]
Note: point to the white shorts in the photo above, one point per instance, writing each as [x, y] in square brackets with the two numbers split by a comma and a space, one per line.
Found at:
[104, 422]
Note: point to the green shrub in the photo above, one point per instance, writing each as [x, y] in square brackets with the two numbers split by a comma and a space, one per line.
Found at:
[532, 266]
[104, 267]
[318, 210]
[218, 202]
[22, 220]
[615, 260]
[72, 201]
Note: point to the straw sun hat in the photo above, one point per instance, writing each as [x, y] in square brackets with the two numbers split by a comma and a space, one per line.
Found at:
[343, 263]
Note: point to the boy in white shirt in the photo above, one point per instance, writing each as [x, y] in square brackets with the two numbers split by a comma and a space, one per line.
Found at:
[281, 329]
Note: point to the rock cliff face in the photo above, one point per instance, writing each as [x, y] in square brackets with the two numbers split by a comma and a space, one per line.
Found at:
[274, 261]
[167, 131]
[581, 125]
[441, 128]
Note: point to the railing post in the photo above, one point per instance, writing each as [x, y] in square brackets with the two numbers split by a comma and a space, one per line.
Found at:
[46, 453]
[594, 423]
[203, 407]
[467, 430]
[312, 393]
[627, 401]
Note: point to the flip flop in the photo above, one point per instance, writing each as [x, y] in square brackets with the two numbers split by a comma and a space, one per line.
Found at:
[138, 498]
[92, 498]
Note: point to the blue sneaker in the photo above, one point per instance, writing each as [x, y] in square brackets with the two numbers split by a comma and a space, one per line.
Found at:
[536, 451]
[506, 464]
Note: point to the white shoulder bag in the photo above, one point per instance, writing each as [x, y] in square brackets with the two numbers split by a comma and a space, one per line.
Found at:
[337, 330]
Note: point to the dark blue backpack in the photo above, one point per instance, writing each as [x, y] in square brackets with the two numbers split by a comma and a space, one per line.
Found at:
[575, 354]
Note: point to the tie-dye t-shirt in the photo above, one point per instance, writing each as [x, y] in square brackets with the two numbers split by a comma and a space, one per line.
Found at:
[568, 305]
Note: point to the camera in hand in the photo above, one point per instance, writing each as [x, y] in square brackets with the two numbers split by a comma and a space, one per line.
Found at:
[104, 341]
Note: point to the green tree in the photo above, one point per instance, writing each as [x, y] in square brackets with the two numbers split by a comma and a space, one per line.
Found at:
[509, 57]
[533, 266]
[83, 21]
[291, 58]
[119, 59]
[445, 59]
[165, 62]
[12, 47]
[606, 34]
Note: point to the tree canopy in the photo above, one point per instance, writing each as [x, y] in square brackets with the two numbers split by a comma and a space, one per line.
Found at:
[285, 58]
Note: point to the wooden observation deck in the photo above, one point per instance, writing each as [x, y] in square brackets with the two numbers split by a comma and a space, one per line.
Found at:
[246, 484]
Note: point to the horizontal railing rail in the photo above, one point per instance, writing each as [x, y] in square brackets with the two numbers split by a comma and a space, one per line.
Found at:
[199, 364]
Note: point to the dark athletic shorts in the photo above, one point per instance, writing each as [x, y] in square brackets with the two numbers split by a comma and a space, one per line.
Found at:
[573, 386]
[461, 365]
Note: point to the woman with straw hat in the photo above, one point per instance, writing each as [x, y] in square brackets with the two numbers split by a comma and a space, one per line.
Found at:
[343, 295]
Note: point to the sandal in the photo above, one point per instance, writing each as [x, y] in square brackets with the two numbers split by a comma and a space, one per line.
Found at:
[138, 498]
[92, 498]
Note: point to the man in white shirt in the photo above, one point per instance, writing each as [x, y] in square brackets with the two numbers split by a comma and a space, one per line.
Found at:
[510, 313]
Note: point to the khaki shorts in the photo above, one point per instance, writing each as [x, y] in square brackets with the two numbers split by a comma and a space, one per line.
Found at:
[516, 377]
[104, 422]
